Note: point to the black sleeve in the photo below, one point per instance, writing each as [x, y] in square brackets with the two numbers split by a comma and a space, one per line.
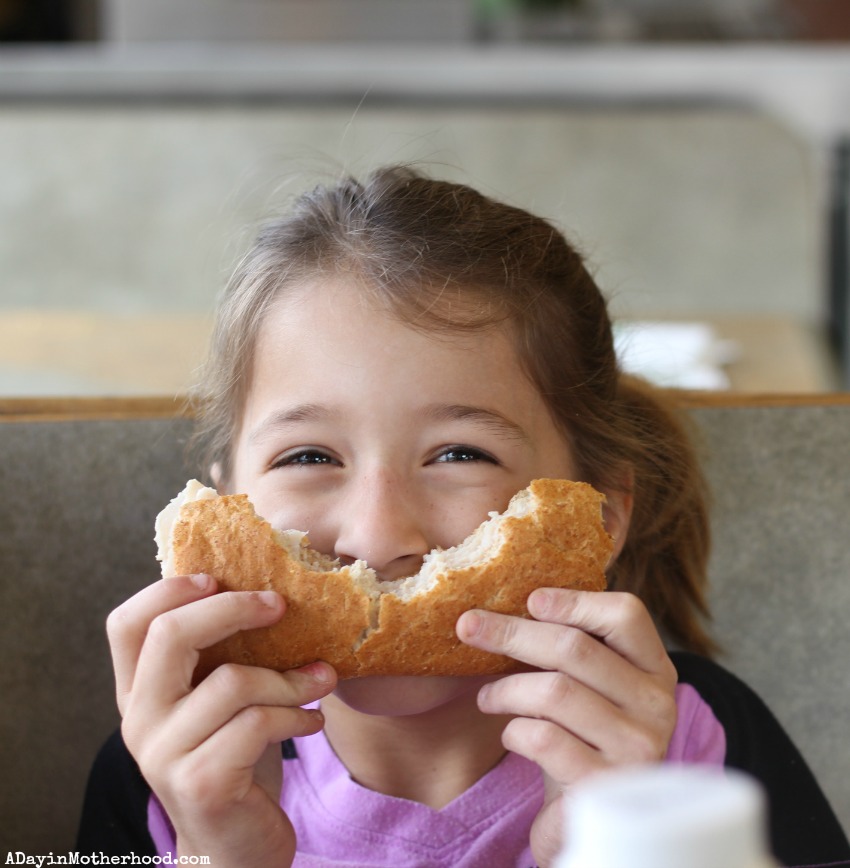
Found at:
[803, 827]
[115, 808]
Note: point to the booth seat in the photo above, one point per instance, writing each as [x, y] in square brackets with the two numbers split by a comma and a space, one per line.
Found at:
[82, 480]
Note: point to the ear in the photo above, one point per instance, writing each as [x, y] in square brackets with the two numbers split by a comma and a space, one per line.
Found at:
[217, 477]
[617, 515]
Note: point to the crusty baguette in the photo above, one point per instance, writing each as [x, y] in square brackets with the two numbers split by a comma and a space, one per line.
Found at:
[551, 535]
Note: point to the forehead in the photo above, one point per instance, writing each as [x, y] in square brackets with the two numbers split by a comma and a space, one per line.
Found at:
[330, 332]
[336, 311]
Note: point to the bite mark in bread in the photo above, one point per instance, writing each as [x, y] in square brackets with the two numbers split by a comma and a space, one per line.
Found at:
[551, 534]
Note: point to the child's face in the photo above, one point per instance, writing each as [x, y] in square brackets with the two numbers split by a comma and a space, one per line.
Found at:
[383, 442]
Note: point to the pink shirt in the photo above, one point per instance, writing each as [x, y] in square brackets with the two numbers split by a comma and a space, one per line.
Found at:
[340, 823]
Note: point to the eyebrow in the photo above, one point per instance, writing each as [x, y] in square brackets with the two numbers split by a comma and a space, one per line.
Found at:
[281, 420]
[284, 419]
[490, 419]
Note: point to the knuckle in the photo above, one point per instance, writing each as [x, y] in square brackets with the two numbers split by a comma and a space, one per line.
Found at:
[500, 631]
[667, 713]
[504, 631]
[629, 608]
[119, 621]
[540, 737]
[645, 746]
[164, 628]
[558, 688]
[572, 644]
[255, 720]
[230, 679]
[659, 702]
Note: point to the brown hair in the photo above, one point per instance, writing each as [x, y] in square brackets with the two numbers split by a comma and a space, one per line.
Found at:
[441, 256]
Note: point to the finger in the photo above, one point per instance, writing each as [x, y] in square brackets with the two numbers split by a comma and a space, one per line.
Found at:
[247, 735]
[221, 770]
[223, 766]
[620, 620]
[547, 831]
[560, 754]
[551, 696]
[170, 652]
[127, 626]
[541, 645]
[581, 711]
[231, 688]
[555, 647]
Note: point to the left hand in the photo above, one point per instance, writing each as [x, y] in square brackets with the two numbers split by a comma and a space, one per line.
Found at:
[603, 694]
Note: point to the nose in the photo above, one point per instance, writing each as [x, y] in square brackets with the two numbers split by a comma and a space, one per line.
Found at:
[383, 523]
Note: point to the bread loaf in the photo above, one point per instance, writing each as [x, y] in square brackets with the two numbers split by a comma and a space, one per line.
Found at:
[550, 535]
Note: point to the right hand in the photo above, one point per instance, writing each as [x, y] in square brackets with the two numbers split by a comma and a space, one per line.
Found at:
[211, 752]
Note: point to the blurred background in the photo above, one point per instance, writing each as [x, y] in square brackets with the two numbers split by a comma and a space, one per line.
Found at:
[695, 150]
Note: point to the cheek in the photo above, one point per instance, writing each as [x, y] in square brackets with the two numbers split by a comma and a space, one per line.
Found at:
[450, 520]
[276, 506]
[317, 524]
[318, 513]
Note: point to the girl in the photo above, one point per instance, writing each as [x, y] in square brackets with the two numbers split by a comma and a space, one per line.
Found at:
[391, 362]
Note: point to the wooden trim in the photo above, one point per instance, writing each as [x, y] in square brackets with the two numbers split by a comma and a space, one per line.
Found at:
[68, 409]
[161, 407]
[695, 400]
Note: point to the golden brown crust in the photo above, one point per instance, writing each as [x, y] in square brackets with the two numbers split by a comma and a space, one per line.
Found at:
[561, 543]
[326, 612]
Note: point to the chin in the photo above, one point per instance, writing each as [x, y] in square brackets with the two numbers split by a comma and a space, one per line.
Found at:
[402, 695]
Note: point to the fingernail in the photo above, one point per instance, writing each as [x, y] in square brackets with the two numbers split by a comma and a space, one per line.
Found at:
[539, 602]
[319, 672]
[472, 624]
[201, 581]
[269, 599]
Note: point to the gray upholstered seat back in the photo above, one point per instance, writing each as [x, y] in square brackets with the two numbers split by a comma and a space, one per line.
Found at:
[77, 501]
[780, 570]
[76, 504]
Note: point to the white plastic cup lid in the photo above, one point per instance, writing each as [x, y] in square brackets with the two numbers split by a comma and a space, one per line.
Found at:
[667, 817]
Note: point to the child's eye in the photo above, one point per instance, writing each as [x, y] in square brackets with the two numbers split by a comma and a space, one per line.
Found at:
[304, 458]
[463, 453]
